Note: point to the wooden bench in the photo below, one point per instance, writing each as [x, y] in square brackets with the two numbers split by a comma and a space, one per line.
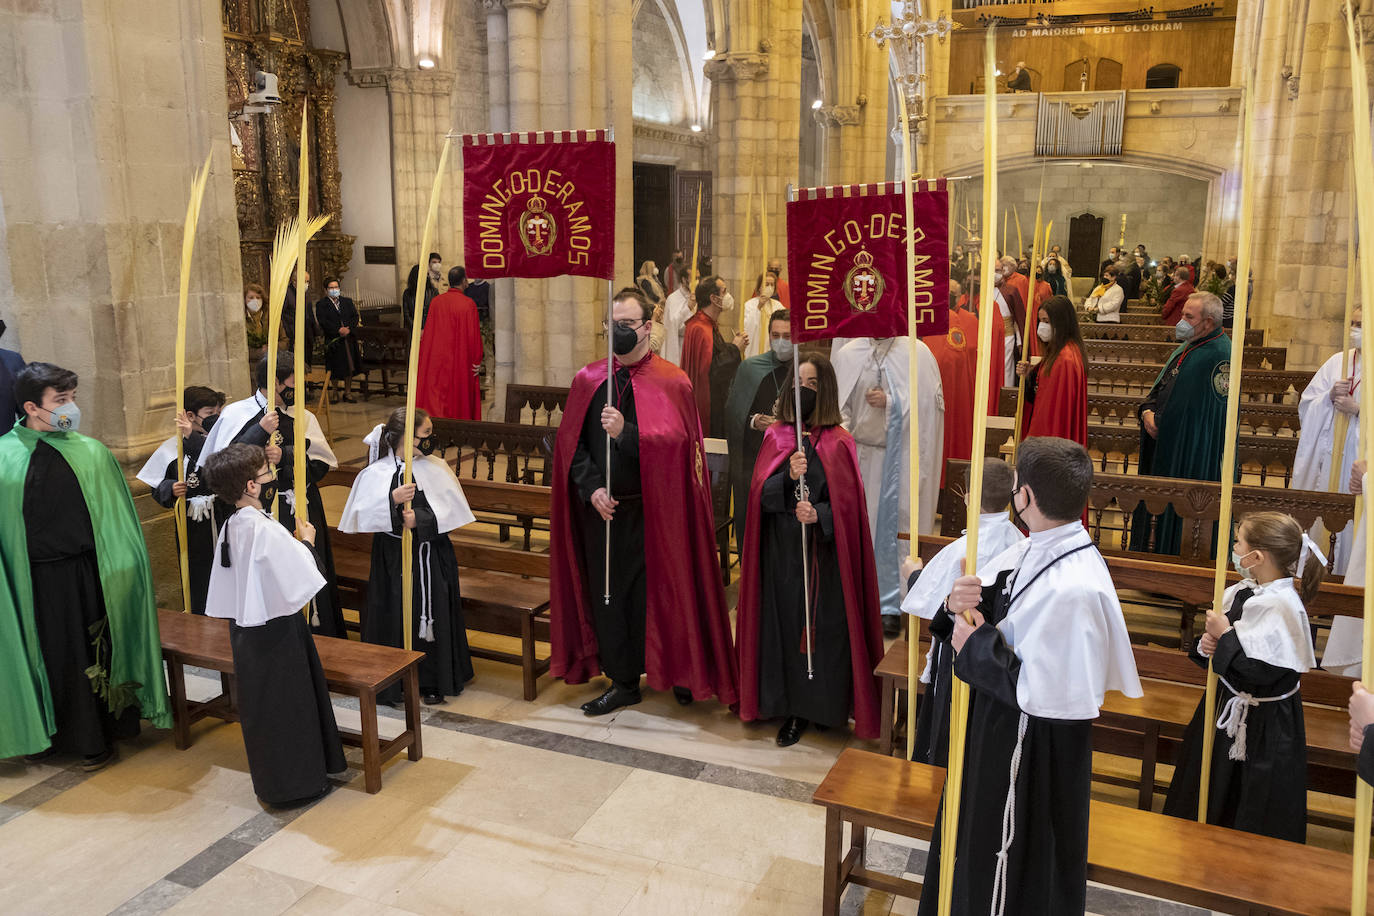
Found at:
[350, 668]
[504, 591]
[1271, 385]
[1167, 857]
[1158, 352]
[1112, 330]
[523, 400]
[385, 351]
[1123, 408]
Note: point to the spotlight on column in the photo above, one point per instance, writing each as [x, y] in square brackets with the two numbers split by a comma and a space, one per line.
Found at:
[426, 63]
[816, 105]
[696, 128]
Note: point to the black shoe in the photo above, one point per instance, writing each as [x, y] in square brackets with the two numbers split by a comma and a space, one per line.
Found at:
[433, 699]
[611, 700]
[683, 696]
[41, 755]
[98, 761]
[791, 731]
[892, 626]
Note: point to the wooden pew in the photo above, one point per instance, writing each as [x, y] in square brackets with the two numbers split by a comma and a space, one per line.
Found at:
[529, 400]
[1196, 501]
[1110, 330]
[1136, 378]
[1175, 859]
[385, 351]
[1123, 408]
[505, 592]
[1148, 351]
[350, 668]
[528, 450]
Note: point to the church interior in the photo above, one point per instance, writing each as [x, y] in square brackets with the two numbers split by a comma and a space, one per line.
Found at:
[1119, 128]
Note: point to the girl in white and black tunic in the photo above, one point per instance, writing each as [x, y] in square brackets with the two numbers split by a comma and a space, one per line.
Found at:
[376, 506]
[1260, 648]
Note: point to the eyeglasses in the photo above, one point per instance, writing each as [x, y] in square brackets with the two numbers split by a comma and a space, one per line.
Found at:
[628, 324]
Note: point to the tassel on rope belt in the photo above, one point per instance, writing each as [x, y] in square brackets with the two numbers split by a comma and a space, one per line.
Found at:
[426, 631]
[1236, 712]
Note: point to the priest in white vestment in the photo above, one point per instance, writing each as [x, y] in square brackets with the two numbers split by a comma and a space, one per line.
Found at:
[677, 308]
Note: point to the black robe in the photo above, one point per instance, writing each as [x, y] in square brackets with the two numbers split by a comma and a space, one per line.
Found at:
[288, 323]
[619, 625]
[725, 360]
[1267, 792]
[69, 605]
[447, 664]
[342, 356]
[200, 535]
[784, 689]
[289, 731]
[1047, 863]
[932, 714]
[327, 607]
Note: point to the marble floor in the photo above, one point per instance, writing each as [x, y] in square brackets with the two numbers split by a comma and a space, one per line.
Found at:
[516, 808]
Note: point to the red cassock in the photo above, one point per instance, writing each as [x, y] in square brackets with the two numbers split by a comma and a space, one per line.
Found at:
[450, 345]
[687, 625]
[1173, 309]
[956, 353]
[698, 341]
[1061, 400]
[854, 551]
[996, 364]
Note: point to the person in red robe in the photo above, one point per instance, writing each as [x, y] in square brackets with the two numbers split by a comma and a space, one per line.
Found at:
[665, 614]
[956, 353]
[780, 287]
[1183, 288]
[845, 636]
[448, 382]
[1057, 387]
[997, 362]
[709, 360]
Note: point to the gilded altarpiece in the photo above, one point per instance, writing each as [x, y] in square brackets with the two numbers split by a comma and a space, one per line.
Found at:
[274, 36]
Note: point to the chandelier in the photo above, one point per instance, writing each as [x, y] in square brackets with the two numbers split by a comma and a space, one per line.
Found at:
[907, 33]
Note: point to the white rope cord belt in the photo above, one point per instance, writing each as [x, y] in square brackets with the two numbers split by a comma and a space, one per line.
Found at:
[1236, 712]
[426, 592]
[999, 878]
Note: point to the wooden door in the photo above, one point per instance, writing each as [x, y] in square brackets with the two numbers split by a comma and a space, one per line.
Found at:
[1085, 244]
[1074, 74]
[690, 186]
[1108, 75]
[654, 234]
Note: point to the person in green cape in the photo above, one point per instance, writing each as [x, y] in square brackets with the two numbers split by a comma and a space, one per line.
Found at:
[80, 659]
[749, 408]
[1183, 418]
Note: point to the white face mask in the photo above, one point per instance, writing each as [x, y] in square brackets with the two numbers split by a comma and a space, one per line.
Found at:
[727, 302]
[1044, 331]
[1356, 337]
[766, 292]
[782, 348]
[1183, 330]
[1235, 561]
[254, 305]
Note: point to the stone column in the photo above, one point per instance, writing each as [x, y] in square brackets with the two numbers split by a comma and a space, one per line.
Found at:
[525, 51]
[420, 117]
[756, 94]
[498, 95]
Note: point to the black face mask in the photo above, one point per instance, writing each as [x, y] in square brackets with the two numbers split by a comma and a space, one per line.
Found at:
[624, 340]
[2, 329]
[808, 402]
[208, 422]
[287, 396]
[426, 445]
[1015, 512]
[267, 495]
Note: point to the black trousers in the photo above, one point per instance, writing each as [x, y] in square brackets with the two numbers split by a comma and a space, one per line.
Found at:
[619, 623]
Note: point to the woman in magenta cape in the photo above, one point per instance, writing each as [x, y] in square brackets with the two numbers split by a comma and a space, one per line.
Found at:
[846, 630]
[687, 624]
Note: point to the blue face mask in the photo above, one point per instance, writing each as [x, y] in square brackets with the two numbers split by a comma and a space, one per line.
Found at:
[1183, 330]
[333, 294]
[67, 417]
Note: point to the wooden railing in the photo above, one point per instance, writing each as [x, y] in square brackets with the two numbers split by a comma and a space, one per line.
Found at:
[1158, 352]
[529, 400]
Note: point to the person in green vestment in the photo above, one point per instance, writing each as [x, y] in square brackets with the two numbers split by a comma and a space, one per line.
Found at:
[80, 660]
[749, 408]
[1183, 418]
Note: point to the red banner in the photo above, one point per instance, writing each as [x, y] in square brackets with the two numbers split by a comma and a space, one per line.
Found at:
[539, 204]
[846, 256]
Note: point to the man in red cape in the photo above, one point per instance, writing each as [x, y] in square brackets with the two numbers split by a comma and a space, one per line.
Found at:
[956, 353]
[709, 360]
[667, 615]
[450, 370]
[856, 590]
